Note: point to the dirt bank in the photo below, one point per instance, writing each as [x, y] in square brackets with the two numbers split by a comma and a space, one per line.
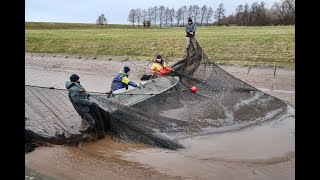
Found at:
[96, 74]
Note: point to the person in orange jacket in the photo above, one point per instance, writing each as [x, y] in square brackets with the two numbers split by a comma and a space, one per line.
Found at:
[159, 67]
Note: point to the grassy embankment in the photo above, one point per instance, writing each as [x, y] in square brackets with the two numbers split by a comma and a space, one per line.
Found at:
[233, 44]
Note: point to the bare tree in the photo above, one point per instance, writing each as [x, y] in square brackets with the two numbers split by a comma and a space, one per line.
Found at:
[231, 19]
[161, 14]
[196, 13]
[132, 17]
[139, 15]
[277, 11]
[204, 10]
[189, 12]
[258, 15]
[261, 15]
[146, 18]
[285, 12]
[246, 12]
[149, 12]
[171, 15]
[167, 16]
[292, 7]
[219, 14]
[155, 14]
[101, 20]
[184, 14]
[144, 15]
[179, 16]
[239, 14]
[209, 15]
[253, 13]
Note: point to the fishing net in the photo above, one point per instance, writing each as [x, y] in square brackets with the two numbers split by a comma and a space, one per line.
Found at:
[164, 111]
[221, 103]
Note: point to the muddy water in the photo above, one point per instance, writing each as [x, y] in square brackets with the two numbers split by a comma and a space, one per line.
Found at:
[98, 160]
[263, 151]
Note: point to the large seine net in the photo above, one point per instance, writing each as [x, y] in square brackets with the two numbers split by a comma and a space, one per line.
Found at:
[221, 103]
[161, 113]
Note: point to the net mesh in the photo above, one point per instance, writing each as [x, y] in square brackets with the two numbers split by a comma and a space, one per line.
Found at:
[161, 113]
[221, 103]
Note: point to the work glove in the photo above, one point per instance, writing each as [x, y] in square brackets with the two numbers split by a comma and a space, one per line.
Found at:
[155, 73]
[139, 86]
[109, 94]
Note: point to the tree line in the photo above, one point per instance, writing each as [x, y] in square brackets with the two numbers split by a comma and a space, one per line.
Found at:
[281, 13]
[256, 14]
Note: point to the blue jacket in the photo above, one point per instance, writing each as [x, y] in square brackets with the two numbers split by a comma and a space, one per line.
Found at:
[121, 81]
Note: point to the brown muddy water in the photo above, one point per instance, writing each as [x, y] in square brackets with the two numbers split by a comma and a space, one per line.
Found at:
[263, 151]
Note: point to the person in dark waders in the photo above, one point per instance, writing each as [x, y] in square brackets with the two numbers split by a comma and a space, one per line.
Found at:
[190, 29]
[121, 80]
[85, 107]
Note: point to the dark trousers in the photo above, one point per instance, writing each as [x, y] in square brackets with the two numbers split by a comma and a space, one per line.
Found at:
[95, 119]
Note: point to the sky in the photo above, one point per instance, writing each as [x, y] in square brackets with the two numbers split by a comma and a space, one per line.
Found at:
[116, 11]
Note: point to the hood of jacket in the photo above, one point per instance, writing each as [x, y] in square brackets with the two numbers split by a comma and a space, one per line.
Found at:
[69, 84]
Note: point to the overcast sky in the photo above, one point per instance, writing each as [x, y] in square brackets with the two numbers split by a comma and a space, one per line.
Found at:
[116, 11]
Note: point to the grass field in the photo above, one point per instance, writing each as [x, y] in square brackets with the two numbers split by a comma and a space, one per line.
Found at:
[268, 45]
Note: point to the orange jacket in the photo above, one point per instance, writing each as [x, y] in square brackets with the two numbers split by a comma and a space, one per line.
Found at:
[160, 68]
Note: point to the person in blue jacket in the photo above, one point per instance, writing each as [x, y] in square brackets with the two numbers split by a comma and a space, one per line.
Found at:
[121, 80]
